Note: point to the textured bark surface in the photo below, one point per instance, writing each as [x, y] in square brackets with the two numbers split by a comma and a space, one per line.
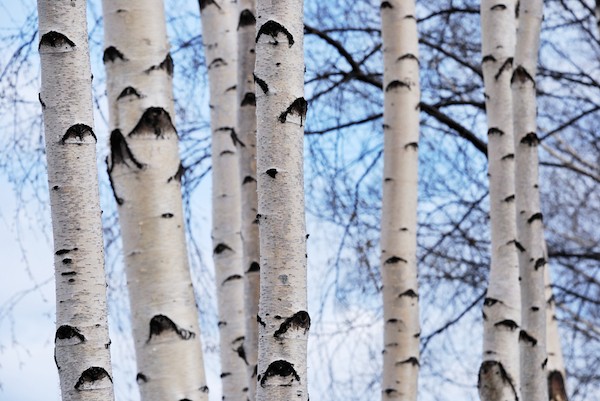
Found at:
[246, 125]
[532, 261]
[219, 23]
[399, 207]
[82, 345]
[281, 112]
[499, 372]
[557, 390]
[145, 171]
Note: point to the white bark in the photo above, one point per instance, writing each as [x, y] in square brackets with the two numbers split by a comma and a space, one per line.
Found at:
[246, 126]
[399, 204]
[597, 12]
[82, 344]
[557, 377]
[145, 171]
[532, 261]
[499, 371]
[219, 22]
[281, 111]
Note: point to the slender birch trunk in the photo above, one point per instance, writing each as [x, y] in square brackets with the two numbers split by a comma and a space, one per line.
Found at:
[82, 344]
[557, 390]
[399, 207]
[499, 371]
[532, 261]
[145, 171]
[281, 113]
[246, 126]
[597, 12]
[219, 22]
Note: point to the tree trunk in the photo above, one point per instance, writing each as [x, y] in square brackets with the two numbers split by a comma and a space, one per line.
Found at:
[281, 113]
[145, 172]
[557, 378]
[399, 206]
[532, 261]
[82, 344]
[246, 125]
[219, 22]
[499, 371]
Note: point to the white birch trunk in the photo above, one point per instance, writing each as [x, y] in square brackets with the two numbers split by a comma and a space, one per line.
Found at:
[82, 345]
[532, 261]
[145, 171]
[499, 371]
[399, 204]
[557, 377]
[219, 22]
[246, 126]
[281, 112]
[597, 12]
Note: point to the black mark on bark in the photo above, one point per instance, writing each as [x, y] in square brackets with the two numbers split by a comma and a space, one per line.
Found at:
[386, 4]
[225, 374]
[64, 251]
[220, 248]
[68, 274]
[541, 262]
[67, 261]
[56, 39]
[254, 267]
[409, 293]
[260, 321]
[524, 336]
[413, 145]
[262, 84]
[78, 132]
[498, 7]
[234, 138]
[272, 172]
[129, 91]
[534, 217]
[273, 28]
[495, 131]
[161, 323]
[141, 378]
[298, 107]
[156, 120]
[395, 259]
[242, 353]
[232, 278]
[204, 389]
[246, 18]
[178, 174]
[487, 373]
[530, 139]
[91, 375]
[279, 368]
[41, 101]
[509, 198]
[205, 3]
[299, 320]
[488, 58]
[409, 56]
[521, 75]
[167, 215]
[517, 244]
[508, 156]
[506, 66]
[396, 84]
[248, 179]
[216, 63]
[556, 386]
[509, 324]
[249, 99]
[66, 332]
[111, 54]
[166, 65]
[412, 360]
[490, 301]
[221, 323]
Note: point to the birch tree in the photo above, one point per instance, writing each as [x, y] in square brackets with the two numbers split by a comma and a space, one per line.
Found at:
[82, 345]
[499, 371]
[145, 171]
[281, 113]
[557, 390]
[219, 21]
[246, 126]
[399, 207]
[532, 261]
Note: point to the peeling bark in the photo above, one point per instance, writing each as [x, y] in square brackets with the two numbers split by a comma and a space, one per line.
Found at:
[81, 352]
[399, 203]
[281, 109]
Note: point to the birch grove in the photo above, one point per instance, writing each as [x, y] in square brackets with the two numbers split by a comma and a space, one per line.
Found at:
[219, 22]
[281, 114]
[82, 345]
[499, 372]
[246, 128]
[145, 172]
[532, 261]
[399, 202]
